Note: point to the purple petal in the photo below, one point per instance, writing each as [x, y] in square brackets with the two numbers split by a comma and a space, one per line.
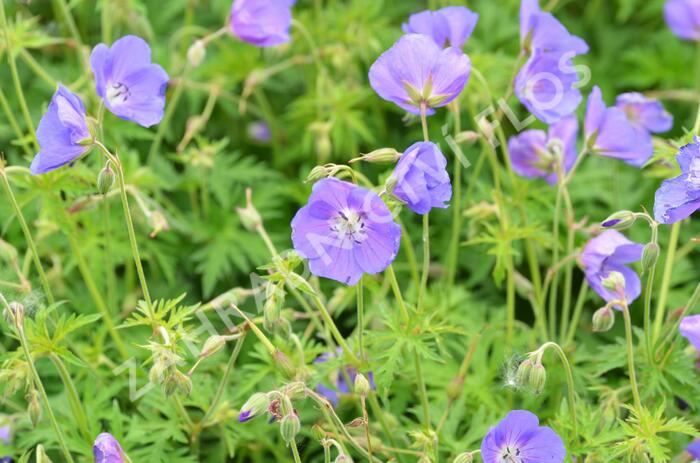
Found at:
[683, 17]
[264, 23]
[690, 329]
[566, 130]
[528, 9]
[689, 157]
[546, 86]
[520, 431]
[645, 113]
[595, 108]
[422, 181]
[549, 35]
[694, 449]
[676, 199]
[106, 449]
[461, 21]
[429, 23]
[5, 434]
[542, 445]
[525, 153]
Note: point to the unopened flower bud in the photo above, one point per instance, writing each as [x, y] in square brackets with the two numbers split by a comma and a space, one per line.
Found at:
[177, 382]
[615, 282]
[105, 179]
[158, 223]
[603, 319]
[41, 456]
[620, 220]
[250, 218]
[465, 457]
[342, 458]
[324, 146]
[213, 345]
[538, 378]
[196, 53]
[34, 407]
[379, 156]
[468, 136]
[290, 427]
[272, 312]
[522, 375]
[318, 432]
[650, 255]
[255, 405]
[362, 386]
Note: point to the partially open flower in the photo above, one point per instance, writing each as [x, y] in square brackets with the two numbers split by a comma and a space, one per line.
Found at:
[106, 449]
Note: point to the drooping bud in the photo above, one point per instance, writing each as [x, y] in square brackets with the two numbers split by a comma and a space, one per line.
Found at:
[158, 223]
[522, 375]
[41, 456]
[255, 405]
[465, 457]
[250, 218]
[603, 319]
[196, 53]
[380, 155]
[290, 427]
[14, 314]
[538, 378]
[272, 310]
[362, 386]
[213, 345]
[177, 382]
[615, 282]
[650, 255]
[34, 406]
[468, 136]
[105, 179]
[620, 220]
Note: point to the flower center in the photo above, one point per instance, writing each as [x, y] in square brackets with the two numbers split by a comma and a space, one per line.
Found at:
[349, 224]
[117, 93]
[510, 455]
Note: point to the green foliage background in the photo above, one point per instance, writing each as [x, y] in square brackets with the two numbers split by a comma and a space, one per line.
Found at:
[197, 183]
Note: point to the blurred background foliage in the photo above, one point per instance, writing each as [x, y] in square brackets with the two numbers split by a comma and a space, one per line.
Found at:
[188, 174]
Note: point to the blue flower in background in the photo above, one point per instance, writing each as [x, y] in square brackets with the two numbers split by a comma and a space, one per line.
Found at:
[519, 438]
[645, 114]
[683, 17]
[610, 252]
[531, 151]
[694, 449]
[344, 231]
[677, 198]
[339, 379]
[422, 182]
[62, 132]
[263, 23]
[450, 26]
[131, 87]
[610, 133]
[415, 71]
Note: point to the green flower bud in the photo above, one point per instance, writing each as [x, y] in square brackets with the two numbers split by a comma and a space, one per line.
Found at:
[379, 156]
[255, 405]
[14, 313]
[522, 375]
[538, 378]
[41, 456]
[465, 457]
[603, 319]
[177, 382]
[34, 407]
[290, 427]
[615, 282]
[105, 179]
[196, 53]
[324, 146]
[468, 136]
[213, 345]
[650, 255]
[250, 218]
[620, 220]
[318, 432]
[362, 386]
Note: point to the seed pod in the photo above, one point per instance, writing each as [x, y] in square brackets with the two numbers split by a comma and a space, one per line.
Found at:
[362, 386]
[34, 407]
[105, 179]
[650, 255]
[41, 456]
[212, 345]
[538, 378]
[196, 53]
[290, 427]
[603, 319]
[522, 375]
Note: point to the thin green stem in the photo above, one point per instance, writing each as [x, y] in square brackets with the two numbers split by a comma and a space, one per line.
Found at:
[578, 309]
[426, 261]
[224, 379]
[73, 398]
[295, 451]
[569, 383]
[117, 165]
[379, 414]
[424, 121]
[510, 299]
[169, 111]
[630, 358]
[453, 251]
[397, 293]
[27, 234]
[673, 331]
[13, 123]
[648, 290]
[326, 316]
[568, 267]
[666, 279]
[9, 50]
[361, 318]
[422, 390]
[75, 34]
[365, 416]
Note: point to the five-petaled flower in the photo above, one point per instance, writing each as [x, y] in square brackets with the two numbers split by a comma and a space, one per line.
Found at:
[452, 25]
[106, 449]
[519, 438]
[683, 17]
[677, 198]
[63, 133]
[610, 252]
[609, 132]
[415, 72]
[345, 231]
[263, 23]
[534, 153]
[422, 182]
[131, 87]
